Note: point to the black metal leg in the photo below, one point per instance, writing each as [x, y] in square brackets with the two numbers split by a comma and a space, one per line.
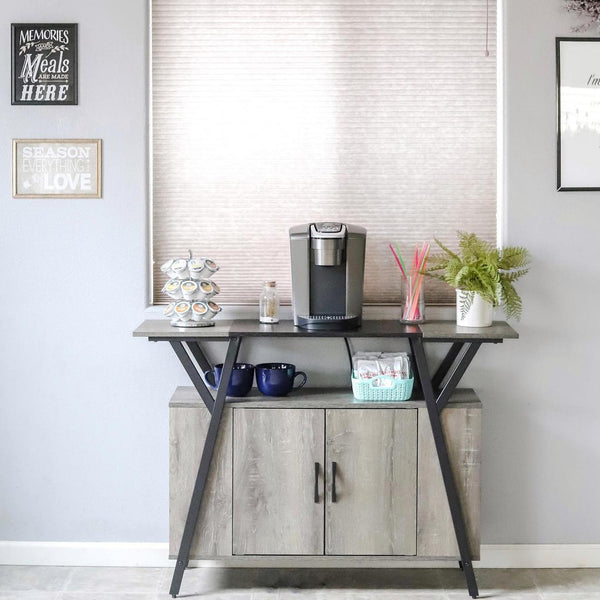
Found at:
[457, 373]
[433, 412]
[193, 374]
[417, 389]
[200, 357]
[445, 365]
[183, 555]
[349, 352]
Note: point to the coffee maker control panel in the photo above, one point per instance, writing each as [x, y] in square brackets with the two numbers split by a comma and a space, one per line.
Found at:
[328, 230]
[329, 227]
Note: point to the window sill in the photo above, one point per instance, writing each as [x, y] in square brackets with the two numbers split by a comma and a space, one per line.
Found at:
[372, 311]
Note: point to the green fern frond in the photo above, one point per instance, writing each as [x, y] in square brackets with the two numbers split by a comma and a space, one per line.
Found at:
[513, 275]
[513, 257]
[511, 300]
[460, 277]
[473, 247]
[466, 301]
[446, 250]
[436, 263]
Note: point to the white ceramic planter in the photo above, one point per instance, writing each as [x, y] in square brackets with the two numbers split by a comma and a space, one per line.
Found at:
[479, 315]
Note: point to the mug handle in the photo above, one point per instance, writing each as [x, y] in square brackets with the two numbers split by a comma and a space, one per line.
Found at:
[210, 378]
[303, 380]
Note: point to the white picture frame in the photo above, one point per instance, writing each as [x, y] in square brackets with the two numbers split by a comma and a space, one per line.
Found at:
[57, 168]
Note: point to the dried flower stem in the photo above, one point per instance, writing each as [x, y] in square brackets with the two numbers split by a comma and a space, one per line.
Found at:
[585, 8]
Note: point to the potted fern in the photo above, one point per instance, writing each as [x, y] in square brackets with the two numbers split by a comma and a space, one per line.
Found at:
[483, 277]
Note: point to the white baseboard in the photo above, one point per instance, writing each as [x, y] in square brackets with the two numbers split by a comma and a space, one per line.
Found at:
[540, 556]
[109, 554]
[85, 554]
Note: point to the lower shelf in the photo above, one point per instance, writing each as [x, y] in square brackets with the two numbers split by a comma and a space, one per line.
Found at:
[186, 396]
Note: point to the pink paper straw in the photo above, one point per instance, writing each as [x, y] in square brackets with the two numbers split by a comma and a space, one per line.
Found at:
[398, 260]
[420, 262]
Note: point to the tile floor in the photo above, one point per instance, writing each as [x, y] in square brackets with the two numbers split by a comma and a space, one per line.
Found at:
[100, 583]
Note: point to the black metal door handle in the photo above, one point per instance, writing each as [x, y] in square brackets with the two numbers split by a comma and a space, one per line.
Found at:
[333, 474]
[316, 483]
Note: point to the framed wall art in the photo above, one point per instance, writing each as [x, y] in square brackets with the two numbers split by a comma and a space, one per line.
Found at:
[57, 169]
[578, 114]
[44, 63]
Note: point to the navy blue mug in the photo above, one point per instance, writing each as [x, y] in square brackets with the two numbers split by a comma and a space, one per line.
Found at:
[240, 382]
[277, 379]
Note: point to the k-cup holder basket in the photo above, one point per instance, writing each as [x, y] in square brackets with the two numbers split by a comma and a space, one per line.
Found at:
[190, 291]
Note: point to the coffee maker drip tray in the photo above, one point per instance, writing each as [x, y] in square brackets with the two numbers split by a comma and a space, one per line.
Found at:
[328, 322]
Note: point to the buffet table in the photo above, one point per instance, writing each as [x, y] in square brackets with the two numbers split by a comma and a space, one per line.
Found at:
[434, 391]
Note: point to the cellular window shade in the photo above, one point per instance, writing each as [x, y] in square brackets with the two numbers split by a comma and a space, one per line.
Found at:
[271, 114]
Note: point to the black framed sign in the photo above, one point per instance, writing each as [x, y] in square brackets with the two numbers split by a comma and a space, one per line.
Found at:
[578, 114]
[44, 63]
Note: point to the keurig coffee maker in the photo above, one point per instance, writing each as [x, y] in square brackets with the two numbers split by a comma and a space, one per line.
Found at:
[328, 263]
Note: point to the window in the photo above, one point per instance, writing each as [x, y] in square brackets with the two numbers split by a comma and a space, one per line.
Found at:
[272, 114]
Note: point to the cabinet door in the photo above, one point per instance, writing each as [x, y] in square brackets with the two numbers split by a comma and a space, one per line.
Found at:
[435, 531]
[375, 508]
[188, 432]
[274, 456]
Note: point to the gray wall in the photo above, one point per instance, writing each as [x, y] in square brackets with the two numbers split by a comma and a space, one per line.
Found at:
[83, 406]
[541, 399]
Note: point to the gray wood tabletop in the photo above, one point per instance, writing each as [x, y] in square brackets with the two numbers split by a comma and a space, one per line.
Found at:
[450, 331]
[162, 329]
[438, 331]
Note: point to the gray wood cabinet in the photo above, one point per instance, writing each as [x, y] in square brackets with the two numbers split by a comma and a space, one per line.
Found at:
[435, 532]
[261, 495]
[274, 457]
[375, 508]
[188, 427]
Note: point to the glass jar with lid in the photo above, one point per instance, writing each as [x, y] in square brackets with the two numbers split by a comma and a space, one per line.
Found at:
[269, 303]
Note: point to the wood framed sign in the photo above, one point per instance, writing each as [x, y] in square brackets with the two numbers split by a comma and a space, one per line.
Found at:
[44, 63]
[578, 114]
[57, 169]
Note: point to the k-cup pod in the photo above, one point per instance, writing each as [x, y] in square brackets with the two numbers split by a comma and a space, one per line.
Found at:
[216, 288]
[213, 309]
[196, 268]
[179, 268]
[207, 289]
[173, 289]
[199, 311]
[169, 309]
[189, 289]
[183, 311]
[166, 267]
[210, 267]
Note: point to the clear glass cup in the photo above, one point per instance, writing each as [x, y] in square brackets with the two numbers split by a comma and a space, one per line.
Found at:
[413, 300]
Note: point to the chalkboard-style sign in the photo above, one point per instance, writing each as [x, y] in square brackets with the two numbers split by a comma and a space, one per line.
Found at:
[44, 63]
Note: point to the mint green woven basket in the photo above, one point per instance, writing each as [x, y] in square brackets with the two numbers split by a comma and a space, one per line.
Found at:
[365, 390]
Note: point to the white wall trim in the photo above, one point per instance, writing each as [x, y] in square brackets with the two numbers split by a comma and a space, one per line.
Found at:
[105, 554]
[501, 196]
